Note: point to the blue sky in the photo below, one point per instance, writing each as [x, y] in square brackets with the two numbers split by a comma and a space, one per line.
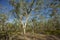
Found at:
[5, 4]
[5, 7]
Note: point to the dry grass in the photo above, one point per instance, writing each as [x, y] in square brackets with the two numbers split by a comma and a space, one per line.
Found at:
[30, 36]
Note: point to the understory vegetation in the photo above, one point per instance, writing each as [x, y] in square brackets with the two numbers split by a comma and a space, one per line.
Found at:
[31, 20]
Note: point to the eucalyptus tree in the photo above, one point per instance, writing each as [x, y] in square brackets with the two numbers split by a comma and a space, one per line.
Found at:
[55, 13]
[53, 21]
[24, 9]
[3, 19]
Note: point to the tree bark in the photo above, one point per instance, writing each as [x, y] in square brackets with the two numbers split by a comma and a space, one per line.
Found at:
[24, 29]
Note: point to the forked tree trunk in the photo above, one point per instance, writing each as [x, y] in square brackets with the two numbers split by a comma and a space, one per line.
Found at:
[24, 26]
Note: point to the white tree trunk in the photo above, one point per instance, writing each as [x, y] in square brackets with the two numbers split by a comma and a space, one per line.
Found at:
[24, 30]
[24, 25]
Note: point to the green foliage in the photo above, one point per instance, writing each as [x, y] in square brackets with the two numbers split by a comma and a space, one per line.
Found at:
[49, 26]
[3, 17]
